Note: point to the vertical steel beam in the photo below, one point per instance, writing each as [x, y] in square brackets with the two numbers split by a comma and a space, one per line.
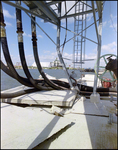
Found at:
[58, 48]
[74, 41]
[98, 54]
[81, 41]
[95, 19]
[99, 34]
[85, 31]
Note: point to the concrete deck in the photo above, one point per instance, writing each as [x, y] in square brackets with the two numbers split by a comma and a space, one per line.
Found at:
[83, 126]
[85, 107]
[88, 132]
[52, 97]
[99, 109]
[22, 128]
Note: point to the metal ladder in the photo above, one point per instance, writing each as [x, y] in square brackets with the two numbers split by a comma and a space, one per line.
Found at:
[79, 41]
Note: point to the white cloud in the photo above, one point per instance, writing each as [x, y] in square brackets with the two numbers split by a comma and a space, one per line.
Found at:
[28, 35]
[8, 24]
[104, 24]
[90, 56]
[24, 34]
[66, 55]
[8, 15]
[54, 27]
[42, 20]
[46, 52]
[89, 16]
[40, 36]
[114, 26]
[29, 59]
[47, 58]
[109, 48]
[53, 56]
[113, 17]
[112, 22]
[13, 44]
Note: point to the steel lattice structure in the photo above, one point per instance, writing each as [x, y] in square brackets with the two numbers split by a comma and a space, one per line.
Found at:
[46, 11]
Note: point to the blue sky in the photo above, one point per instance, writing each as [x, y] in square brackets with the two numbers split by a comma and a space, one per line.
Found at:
[46, 48]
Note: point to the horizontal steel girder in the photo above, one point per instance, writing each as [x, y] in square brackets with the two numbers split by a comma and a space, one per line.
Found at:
[35, 13]
[47, 11]
[53, 2]
[77, 14]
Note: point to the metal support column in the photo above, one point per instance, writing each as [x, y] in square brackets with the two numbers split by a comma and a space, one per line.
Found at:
[98, 54]
[85, 30]
[58, 48]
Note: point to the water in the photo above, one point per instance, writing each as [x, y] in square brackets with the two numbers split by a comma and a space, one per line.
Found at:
[7, 82]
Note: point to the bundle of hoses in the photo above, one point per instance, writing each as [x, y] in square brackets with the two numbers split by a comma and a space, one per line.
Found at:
[10, 70]
[37, 85]
[84, 90]
[88, 90]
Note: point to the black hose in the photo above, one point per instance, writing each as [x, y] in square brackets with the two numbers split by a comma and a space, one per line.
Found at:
[22, 92]
[41, 81]
[10, 64]
[90, 89]
[14, 74]
[22, 54]
[21, 51]
[8, 72]
[88, 93]
[7, 54]
[30, 81]
[5, 69]
[34, 42]
[61, 83]
[19, 93]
